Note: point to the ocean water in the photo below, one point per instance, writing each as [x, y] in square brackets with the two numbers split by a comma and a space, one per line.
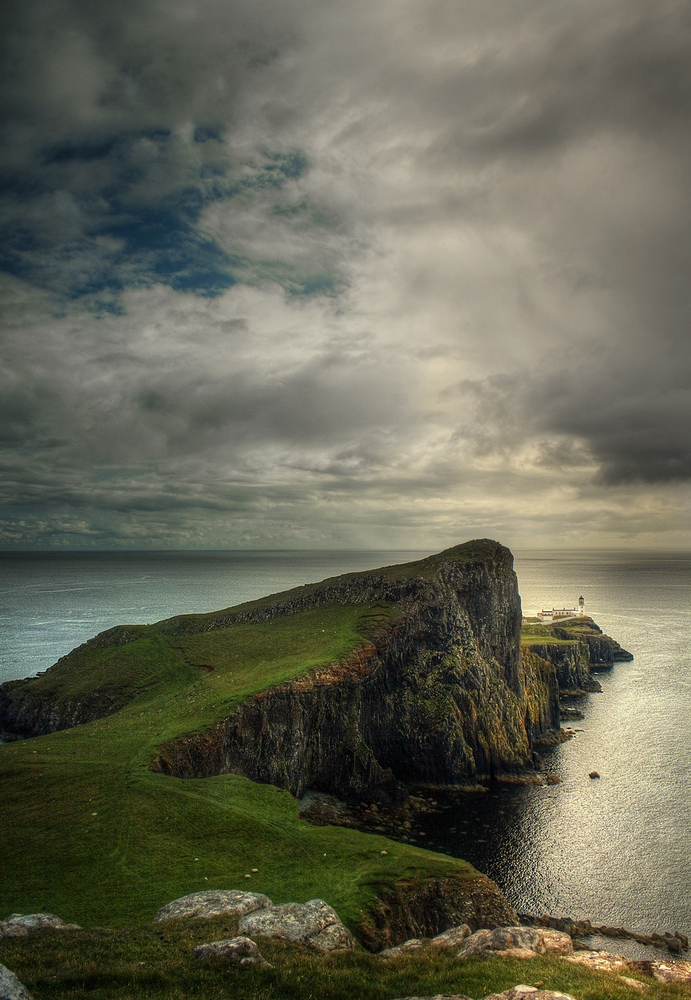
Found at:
[614, 850]
[51, 602]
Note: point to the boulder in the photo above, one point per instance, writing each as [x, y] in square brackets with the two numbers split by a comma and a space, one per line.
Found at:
[314, 924]
[414, 944]
[21, 924]
[213, 903]
[10, 987]
[237, 950]
[519, 942]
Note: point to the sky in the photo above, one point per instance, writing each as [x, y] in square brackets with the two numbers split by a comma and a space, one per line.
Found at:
[306, 274]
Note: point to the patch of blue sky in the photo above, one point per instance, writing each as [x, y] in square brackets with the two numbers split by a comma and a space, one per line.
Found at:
[128, 236]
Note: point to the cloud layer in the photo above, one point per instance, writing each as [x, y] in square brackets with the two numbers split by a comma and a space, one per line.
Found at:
[294, 273]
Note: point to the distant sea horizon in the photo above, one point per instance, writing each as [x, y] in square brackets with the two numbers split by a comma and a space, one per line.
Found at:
[613, 850]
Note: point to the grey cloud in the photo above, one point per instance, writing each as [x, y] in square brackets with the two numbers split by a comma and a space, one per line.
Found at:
[345, 264]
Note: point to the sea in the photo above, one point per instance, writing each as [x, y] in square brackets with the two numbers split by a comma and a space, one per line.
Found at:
[615, 850]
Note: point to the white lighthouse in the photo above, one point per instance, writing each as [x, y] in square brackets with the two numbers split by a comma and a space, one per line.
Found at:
[581, 605]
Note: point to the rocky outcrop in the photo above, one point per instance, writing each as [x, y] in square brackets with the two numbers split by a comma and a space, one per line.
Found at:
[517, 942]
[576, 649]
[417, 909]
[26, 710]
[438, 697]
[571, 662]
[662, 972]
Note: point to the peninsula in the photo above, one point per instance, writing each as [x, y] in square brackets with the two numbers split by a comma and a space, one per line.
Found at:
[154, 761]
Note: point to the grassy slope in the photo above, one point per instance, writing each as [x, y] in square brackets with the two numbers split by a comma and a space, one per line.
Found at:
[93, 835]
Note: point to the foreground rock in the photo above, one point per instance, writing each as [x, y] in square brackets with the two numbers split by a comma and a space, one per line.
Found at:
[21, 924]
[515, 993]
[661, 972]
[517, 942]
[237, 951]
[213, 903]
[449, 939]
[10, 987]
[314, 924]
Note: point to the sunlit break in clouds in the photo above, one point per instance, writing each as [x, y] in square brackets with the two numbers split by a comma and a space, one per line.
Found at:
[290, 273]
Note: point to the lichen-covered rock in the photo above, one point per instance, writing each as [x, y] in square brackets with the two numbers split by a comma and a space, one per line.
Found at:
[21, 924]
[237, 951]
[451, 938]
[313, 924]
[528, 993]
[10, 987]
[528, 941]
[438, 996]
[213, 903]
[414, 944]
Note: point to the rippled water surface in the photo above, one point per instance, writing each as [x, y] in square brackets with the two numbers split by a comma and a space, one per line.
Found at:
[615, 850]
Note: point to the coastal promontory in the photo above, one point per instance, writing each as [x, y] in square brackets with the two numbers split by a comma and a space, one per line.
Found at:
[169, 757]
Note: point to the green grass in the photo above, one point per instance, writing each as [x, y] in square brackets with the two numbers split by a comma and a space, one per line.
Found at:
[90, 833]
[157, 963]
[532, 635]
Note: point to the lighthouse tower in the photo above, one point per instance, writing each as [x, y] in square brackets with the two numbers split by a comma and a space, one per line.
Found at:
[581, 605]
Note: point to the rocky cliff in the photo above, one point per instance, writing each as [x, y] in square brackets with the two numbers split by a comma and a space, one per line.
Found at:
[437, 693]
[438, 696]
[575, 648]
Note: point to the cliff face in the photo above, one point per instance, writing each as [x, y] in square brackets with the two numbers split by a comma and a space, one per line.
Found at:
[437, 693]
[575, 649]
[440, 696]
